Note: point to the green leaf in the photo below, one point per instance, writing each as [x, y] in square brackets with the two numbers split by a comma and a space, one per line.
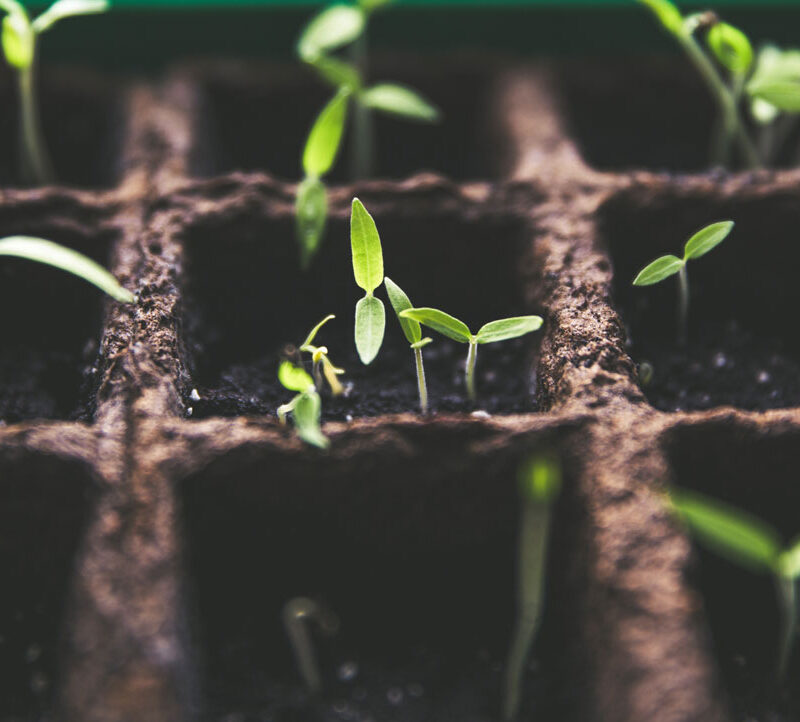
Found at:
[658, 270]
[400, 302]
[669, 15]
[68, 8]
[731, 47]
[336, 26]
[507, 328]
[337, 72]
[730, 532]
[783, 94]
[366, 247]
[307, 412]
[706, 238]
[399, 100]
[311, 214]
[18, 40]
[370, 326]
[314, 331]
[422, 343]
[440, 321]
[763, 112]
[540, 479]
[370, 5]
[325, 136]
[293, 377]
[789, 561]
[52, 254]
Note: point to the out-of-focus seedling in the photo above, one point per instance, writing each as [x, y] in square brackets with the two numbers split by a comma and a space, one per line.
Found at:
[413, 334]
[500, 330]
[19, 40]
[305, 408]
[321, 364]
[698, 245]
[752, 544]
[539, 484]
[365, 244]
[53, 254]
[297, 614]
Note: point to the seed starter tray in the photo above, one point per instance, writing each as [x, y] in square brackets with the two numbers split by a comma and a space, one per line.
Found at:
[151, 537]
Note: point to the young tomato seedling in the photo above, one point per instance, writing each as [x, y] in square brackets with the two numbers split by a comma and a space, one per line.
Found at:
[365, 244]
[698, 245]
[413, 333]
[500, 330]
[297, 614]
[305, 408]
[540, 483]
[321, 364]
[753, 545]
[19, 41]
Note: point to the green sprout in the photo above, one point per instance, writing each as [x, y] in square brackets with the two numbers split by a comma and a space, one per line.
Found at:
[752, 544]
[698, 245]
[365, 244]
[321, 364]
[333, 28]
[500, 330]
[53, 254]
[413, 333]
[539, 485]
[297, 613]
[19, 41]
[305, 408]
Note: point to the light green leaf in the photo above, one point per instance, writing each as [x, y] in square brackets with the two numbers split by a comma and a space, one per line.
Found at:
[706, 238]
[783, 94]
[400, 302]
[365, 244]
[52, 254]
[335, 26]
[731, 47]
[293, 377]
[325, 136]
[540, 479]
[68, 8]
[789, 561]
[311, 214]
[18, 40]
[337, 72]
[763, 112]
[507, 328]
[422, 343]
[440, 321]
[314, 331]
[306, 414]
[658, 270]
[370, 5]
[399, 100]
[370, 326]
[730, 532]
[669, 15]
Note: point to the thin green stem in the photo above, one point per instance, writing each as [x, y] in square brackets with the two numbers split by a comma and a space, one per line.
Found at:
[531, 563]
[472, 356]
[683, 305]
[423, 387]
[34, 162]
[297, 613]
[786, 597]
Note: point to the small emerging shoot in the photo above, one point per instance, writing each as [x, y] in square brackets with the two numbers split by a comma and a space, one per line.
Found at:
[500, 330]
[752, 544]
[305, 408]
[321, 364]
[413, 333]
[698, 245]
[539, 485]
[365, 244]
[19, 40]
[297, 614]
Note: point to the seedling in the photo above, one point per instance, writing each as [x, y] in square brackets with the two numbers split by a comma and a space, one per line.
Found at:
[752, 544]
[297, 613]
[19, 41]
[413, 334]
[52, 254]
[539, 485]
[321, 364]
[305, 408]
[698, 245]
[365, 244]
[500, 330]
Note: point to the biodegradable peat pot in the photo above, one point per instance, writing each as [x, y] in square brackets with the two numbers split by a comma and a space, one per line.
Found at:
[176, 527]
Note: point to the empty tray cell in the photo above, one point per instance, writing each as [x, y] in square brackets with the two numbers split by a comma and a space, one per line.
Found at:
[247, 300]
[742, 347]
[53, 323]
[414, 554]
[258, 120]
[82, 122]
[43, 507]
[753, 470]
